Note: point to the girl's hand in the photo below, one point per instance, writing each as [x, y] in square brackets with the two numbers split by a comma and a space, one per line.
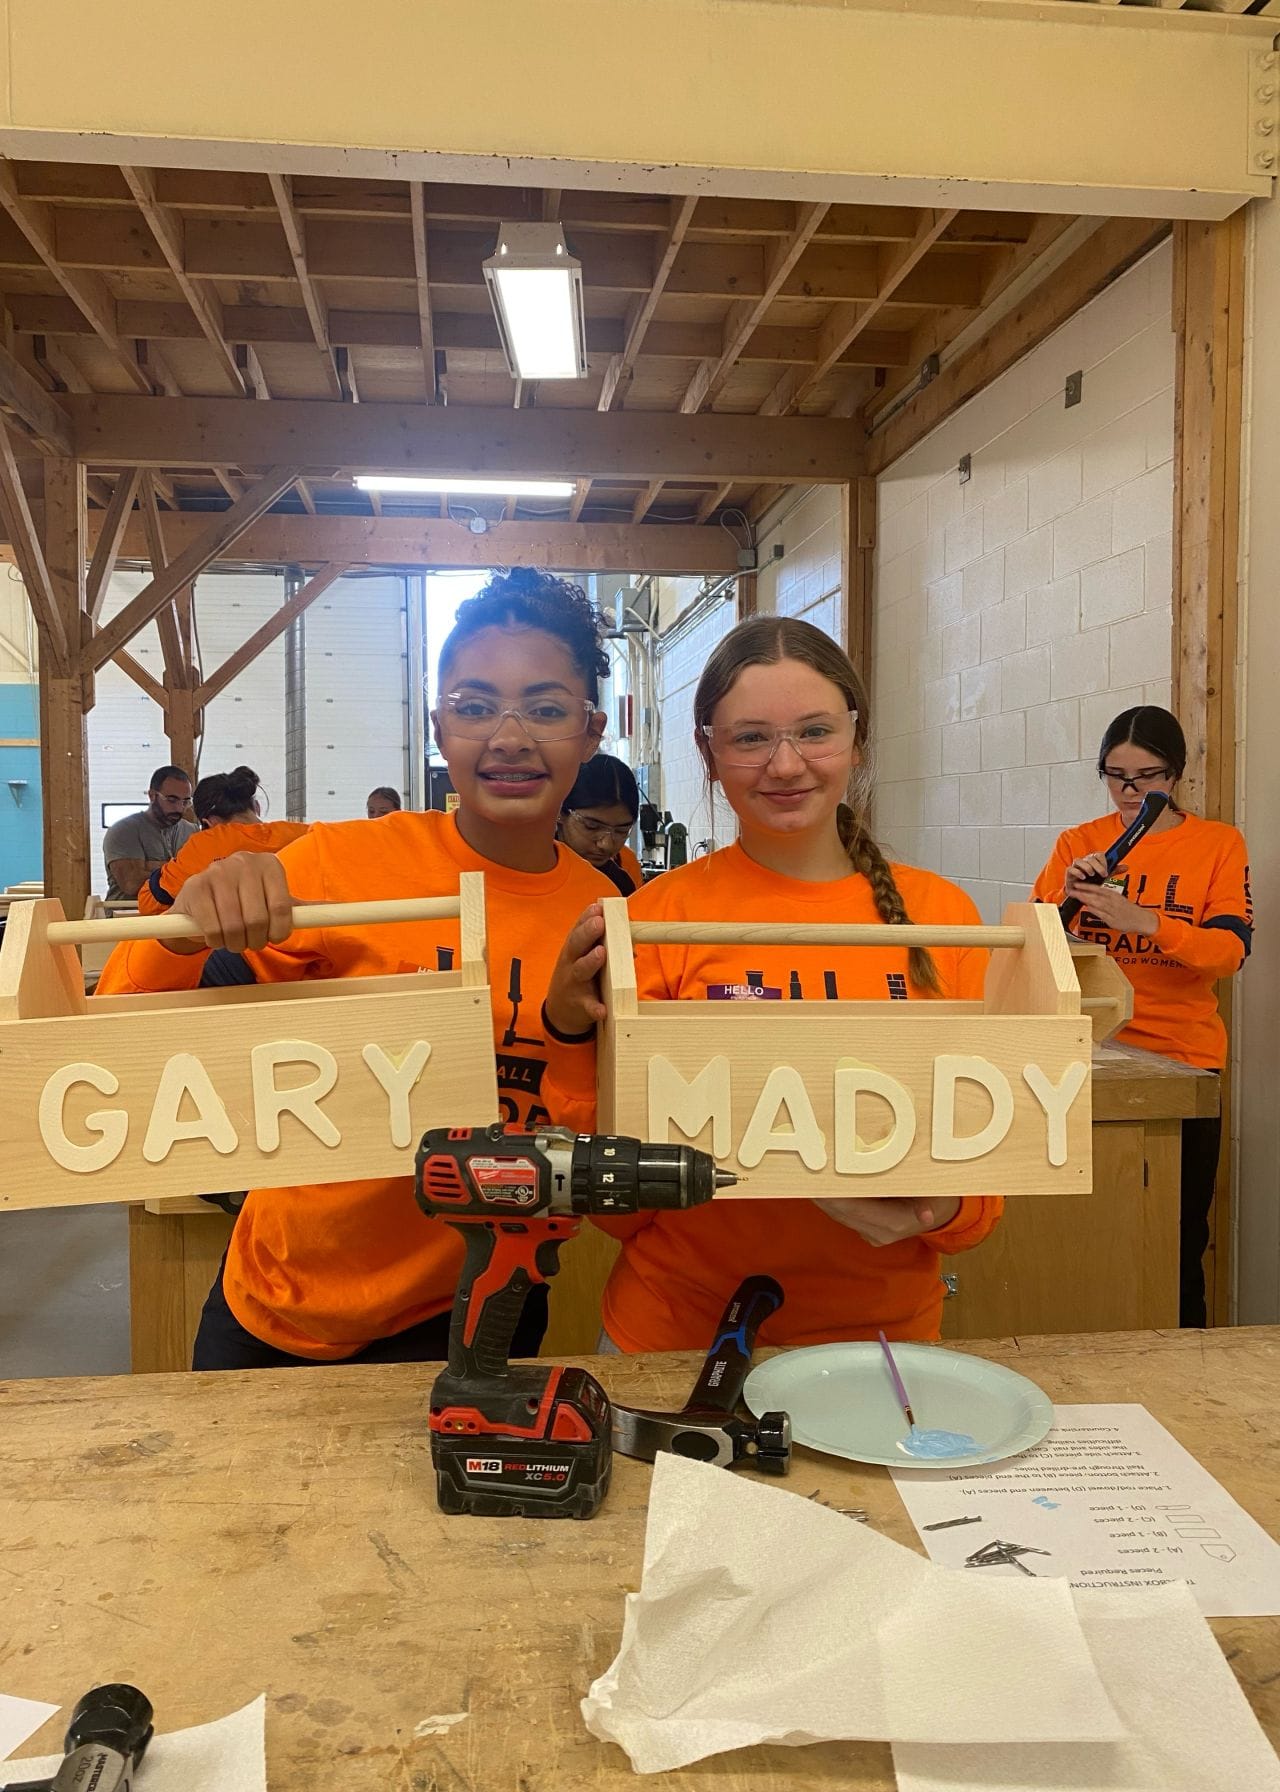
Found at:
[573, 1004]
[885, 1219]
[1083, 875]
[241, 902]
[1115, 910]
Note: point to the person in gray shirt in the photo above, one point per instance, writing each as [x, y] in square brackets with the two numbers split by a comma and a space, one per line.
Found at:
[141, 843]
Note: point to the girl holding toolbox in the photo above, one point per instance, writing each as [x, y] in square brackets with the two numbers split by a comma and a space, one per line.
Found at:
[1176, 916]
[353, 1270]
[781, 721]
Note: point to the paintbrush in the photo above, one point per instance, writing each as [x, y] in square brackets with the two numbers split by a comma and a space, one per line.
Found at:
[898, 1387]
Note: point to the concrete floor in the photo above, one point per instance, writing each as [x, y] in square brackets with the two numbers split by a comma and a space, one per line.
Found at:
[64, 1292]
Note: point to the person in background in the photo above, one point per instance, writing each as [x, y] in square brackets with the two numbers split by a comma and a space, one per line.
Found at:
[382, 801]
[598, 814]
[781, 724]
[139, 844]
[1176, 916]
[227, 808]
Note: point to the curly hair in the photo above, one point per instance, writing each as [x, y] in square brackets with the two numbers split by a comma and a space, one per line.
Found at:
[523, 597]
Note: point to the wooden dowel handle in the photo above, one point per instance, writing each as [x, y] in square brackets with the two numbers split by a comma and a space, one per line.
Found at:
[305, 914]
[764, 933]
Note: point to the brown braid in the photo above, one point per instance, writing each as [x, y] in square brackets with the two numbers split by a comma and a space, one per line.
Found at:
[866, 857]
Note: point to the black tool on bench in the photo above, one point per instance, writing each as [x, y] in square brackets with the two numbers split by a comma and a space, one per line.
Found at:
[1154, 804]
[709, 1427]
[106, 1739]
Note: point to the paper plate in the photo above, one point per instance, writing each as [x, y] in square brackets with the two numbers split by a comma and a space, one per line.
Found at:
[841, 1401]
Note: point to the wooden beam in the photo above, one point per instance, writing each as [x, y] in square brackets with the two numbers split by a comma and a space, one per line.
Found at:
[422, 282]
[25, 400]
[220, 534]
[261, 639]
[54, 360]
[135, 670]
[425, 542]
[29, 556]
[294, 233]
[166, 619]
[740, 324]
[206, 307]
[1208, 308]
[64, 694]
[857, 566]
[106, 549]
[845, 322]
[1209, 278]
[1109, 252]
[745, 315]
[204, 432]
[456, 332]
[88, 291]
[641, 314]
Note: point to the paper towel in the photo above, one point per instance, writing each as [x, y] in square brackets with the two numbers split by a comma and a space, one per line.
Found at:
[1190, 1727]
[228, 1755]
[763, 1617]
[20, 1718]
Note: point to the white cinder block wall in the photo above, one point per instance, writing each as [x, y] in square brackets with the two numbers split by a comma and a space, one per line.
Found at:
[1016, 614]
[801, 579]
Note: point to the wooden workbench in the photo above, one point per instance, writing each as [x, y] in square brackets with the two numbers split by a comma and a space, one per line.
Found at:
[212, 1537]
[1101, 1262]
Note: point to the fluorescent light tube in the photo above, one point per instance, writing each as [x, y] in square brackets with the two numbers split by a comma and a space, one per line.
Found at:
[484, 488]
[536, 289]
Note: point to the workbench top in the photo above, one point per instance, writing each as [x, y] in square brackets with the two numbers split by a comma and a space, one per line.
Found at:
[209, 1537]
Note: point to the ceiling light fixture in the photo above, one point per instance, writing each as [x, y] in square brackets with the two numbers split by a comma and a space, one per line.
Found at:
[483, 488]
[536, 289]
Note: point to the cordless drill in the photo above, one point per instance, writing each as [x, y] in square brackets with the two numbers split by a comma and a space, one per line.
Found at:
[105, 1742]
[530, 1441]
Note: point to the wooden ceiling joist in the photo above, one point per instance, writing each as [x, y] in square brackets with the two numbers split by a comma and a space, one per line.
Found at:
[424, 542]
[35, 227]
[422, 286]
[29, 554]
[641, 314]
[295, 241]
[453, 332]
[459, 440]
[25, 400]
[166, 227]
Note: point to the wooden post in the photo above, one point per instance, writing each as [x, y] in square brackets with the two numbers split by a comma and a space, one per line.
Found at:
[1208, 315]
[183, 726]
[747, 594]
[857, 556]
[64, 694]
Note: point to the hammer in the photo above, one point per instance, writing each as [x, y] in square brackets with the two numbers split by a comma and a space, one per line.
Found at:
[1154, 804]
[708, 1427]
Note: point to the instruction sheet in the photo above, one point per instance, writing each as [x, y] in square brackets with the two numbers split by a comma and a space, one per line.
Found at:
[1109, 1500]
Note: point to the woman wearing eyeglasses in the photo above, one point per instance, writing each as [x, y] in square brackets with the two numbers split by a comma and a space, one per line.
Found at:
[598, 814]
[781, 723]
[1176, 916]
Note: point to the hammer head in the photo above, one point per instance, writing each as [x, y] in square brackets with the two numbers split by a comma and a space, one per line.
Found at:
[720, 1438]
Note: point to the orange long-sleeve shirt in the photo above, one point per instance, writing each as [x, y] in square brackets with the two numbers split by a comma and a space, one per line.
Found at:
[631, 865]
[321, 1271]
[1197, 875]
[206, 848]
[676, 1271]
[146, 967]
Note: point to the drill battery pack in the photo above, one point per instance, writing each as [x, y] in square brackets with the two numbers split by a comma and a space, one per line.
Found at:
[536, 1445]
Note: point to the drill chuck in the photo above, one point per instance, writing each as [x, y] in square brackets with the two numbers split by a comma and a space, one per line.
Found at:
[619, 1175]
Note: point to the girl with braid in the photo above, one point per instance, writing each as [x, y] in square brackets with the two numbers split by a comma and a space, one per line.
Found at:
[781, 722]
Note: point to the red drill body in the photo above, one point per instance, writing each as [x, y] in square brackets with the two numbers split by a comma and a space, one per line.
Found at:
[535, 1440]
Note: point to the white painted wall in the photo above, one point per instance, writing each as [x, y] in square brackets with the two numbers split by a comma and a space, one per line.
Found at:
[1256, 1120]
[804, 579]
[1016, 614]
[356, 714]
